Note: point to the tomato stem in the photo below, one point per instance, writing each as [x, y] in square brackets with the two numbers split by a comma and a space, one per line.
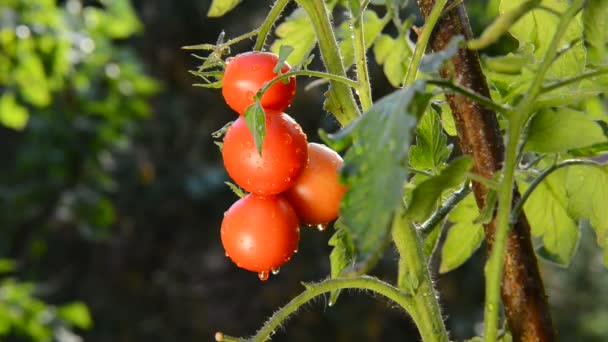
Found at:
[482, 100]
[356, 24]
[268, 23]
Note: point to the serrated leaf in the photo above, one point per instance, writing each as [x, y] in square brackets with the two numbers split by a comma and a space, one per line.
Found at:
[221, 7]
[341, 256]
[255, 117]
[426, 195]
[562, 129]
[536, 26]
[464, 237]
[373, 26]
[236, 189]
[447, 119]
[374, 166]
[595, 29]
[297, 32]
[12, 114]
[394, 55]
[431, 150]
[546, 210]
[284, 52]
[431, 63]
[76, 314]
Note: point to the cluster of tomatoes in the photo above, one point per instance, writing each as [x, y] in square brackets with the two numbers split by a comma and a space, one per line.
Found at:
[291, 182]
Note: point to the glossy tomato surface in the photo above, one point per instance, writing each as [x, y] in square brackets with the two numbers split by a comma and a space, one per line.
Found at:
[246, 73]
[317, 193]
[260, 233]
[284, 155]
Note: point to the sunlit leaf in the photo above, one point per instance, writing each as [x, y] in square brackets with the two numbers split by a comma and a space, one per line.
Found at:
[221, 7]
[297, 32]
[12, 114]
[431, 150]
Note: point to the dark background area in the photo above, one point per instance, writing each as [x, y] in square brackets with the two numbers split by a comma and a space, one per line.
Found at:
[161, 274]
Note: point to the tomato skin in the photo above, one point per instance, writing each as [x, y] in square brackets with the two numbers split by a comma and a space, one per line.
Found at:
[246, 74]
[317, 193]
[260, 233]
[284, 155]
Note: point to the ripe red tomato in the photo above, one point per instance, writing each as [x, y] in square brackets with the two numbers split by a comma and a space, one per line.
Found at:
[317, 193]
[284, 155]
[246, 73]
[260, 233]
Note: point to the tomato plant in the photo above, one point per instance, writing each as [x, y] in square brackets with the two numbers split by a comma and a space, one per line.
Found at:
[246, 74]
[317, 193]
[530, 122]
[260, 234]
[284, 155]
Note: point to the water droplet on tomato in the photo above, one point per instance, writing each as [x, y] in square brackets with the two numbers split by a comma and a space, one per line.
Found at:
[249, 95]
[276, 271]
[287, 139]
[263, 275]
[321, 227]
[287, 180]
[295, 251]
[248, 181]
[255, 67]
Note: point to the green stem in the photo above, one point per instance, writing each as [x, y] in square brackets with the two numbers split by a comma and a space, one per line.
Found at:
[330, 52]
[519, 205]
[494, 266]
[271, 18]
[575, 79]
[445, 209]
[314, 290]
[429, 25]
[364, 89]
[482, 100]
[223, 45]
[309, 73]
[414, 277]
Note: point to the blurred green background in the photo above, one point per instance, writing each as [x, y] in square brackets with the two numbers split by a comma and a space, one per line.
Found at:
[112, 192]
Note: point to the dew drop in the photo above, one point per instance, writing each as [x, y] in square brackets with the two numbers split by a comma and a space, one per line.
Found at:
[249, 95]
[255, 67]
[321, 227]
[263, 275]
[248, 181]
[276, 271]
[287, 139]
[287, 180]
[295, 251]
[330, 303]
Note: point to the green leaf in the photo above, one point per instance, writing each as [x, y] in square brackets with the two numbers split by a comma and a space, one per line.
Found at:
[297, 32]
[546, 210]
[447, 119]
[431, 151]
[535, 28]
[595, 29]
[236, 189]
[374, 166]
[562, 129]
[221, 7]
[464, 237]
[373, 26]
[77, 314]
[341, 256]
[487, 213]
[255, 117]
[431, 63]
[6, 265]
[12, 114]
[430, 241]
[394, 56]
[284, 52]
[32, 81]
[426, 195]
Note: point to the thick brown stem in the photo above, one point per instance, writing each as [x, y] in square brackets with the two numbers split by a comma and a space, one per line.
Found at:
[523, 294]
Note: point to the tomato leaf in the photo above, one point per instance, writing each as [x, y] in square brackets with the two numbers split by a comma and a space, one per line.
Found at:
[427, 193]
[431, 63]
[464, 237]
[221, 7]
[374, 166]
[255, 117]
[297, 32]
[562, 129]
[12, 114]
[431, 150]
[77, 314]
[341, 256]
[284, 52]
[595, 29]
[394, 56]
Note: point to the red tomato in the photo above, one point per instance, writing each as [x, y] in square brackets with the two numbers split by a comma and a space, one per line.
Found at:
[284, 155]
[246, 73]
[260, 233]
[317, 193]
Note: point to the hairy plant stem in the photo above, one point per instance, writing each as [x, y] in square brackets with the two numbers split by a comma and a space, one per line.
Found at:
[445, 209]
[494, 266]
[423, 40]
[314, 290]
[271, 18]
[482, 100]
[309, 73]
[330, 52]
[414, 277]
[356, 23]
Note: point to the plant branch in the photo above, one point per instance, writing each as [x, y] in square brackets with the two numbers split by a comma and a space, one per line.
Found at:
[271, 18]
[309, 73]
[423, 40]
[575, 79]
[314, 290]
[482, 100]
[222, 46]
[445, 209]
[519, 205]
[414, 277]
[330, 52]
[364, 88]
